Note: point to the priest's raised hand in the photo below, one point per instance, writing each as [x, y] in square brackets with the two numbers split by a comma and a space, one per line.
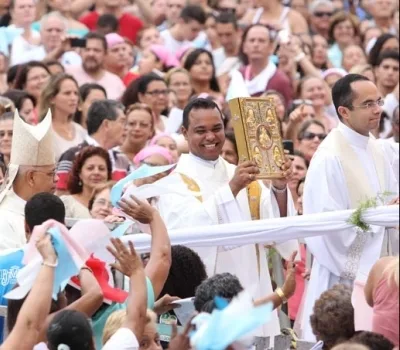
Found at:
[245, 174]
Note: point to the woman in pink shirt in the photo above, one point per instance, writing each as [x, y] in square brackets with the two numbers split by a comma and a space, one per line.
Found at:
[382, 294]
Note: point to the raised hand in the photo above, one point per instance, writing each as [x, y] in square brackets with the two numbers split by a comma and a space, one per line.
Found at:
[127, 261]
[139, 210]
[245, 174]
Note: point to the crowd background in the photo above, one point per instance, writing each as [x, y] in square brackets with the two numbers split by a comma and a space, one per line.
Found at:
[117, 75]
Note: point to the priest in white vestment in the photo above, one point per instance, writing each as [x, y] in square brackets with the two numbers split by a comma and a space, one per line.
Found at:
[225, 194]
[31, 171]
[349, 167]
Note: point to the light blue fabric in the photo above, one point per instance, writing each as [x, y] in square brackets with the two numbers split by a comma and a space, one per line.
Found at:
[100, 319]
[10, 264]
[7, 35]
[140, 173]
[80, 33]
[335, 55]
[66, 267]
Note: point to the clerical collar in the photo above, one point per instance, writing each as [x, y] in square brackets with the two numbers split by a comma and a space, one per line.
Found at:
[213, 163]
[354, 137]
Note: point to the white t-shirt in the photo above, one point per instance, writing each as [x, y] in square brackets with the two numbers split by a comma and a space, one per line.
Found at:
[123, 339]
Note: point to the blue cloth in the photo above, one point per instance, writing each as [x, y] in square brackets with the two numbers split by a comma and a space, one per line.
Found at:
[80, 33]
[7, 35]
[9, 267]
[100, 318]
[335, 56]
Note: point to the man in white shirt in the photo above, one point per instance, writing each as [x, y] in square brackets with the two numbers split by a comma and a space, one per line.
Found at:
[228, 194]
[53, 30]
[92, 68]
[31, 171]
[188, 28]
[349, 167]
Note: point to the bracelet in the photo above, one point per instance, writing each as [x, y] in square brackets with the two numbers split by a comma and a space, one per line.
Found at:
[45, 263]
[87, 268]
[277, 190]
[281, 295]
[299, 57]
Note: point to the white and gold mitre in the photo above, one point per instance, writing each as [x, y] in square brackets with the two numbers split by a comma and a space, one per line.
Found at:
[32, 145]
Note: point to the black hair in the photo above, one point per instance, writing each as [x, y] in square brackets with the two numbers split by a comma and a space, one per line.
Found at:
[377, 48]
[72, 328]
[306, 125]
[42, 207]
[373, 341]
[301, 181]
[342, 92]
[301, 155]
[18, 97]
[224, 285]
[230, 135]
[193, 13]
[84, 91]
[97, 36]
[388, 55]
[12, 73]
[100, 111]
[227, 18]
[22, 73]
[191, 60]
[195, 104]
[138, 86]
[242, 56]
[186, 266]
[108, 21]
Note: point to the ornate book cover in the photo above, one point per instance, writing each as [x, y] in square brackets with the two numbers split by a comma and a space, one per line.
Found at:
[258, 136]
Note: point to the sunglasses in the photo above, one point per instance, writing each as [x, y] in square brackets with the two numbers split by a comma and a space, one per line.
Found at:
[311, 136]
[323, 14]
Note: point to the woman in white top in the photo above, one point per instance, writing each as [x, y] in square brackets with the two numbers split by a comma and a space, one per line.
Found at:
[61, 95]
[23, 14]
[276, 16]
[91, 167]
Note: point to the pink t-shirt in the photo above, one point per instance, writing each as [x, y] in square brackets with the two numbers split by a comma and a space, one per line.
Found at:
[385, 318]
[109, 81]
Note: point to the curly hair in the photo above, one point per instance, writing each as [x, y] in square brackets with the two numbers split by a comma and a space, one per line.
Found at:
[373, 341]
[224, 285]
[332, 320]
[74, 182]
[186, 266]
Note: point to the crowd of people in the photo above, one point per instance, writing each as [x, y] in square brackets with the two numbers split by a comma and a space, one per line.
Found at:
[93, 91]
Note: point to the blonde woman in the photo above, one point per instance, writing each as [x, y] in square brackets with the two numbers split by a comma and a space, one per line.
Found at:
[61, 95]
[382, 294]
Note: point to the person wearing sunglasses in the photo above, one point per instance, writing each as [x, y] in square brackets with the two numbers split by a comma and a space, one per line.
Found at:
[349, 166]
[321, 12]
[311, 134]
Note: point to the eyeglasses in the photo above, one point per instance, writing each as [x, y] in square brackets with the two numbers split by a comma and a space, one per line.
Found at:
[323, 14]
[103, 202]
[311, 136]
[158, 92]
[303, 102]
[51, 174]
[371, 104]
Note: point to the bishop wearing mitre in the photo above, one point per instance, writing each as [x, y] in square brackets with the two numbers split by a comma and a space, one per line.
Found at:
[31, 171]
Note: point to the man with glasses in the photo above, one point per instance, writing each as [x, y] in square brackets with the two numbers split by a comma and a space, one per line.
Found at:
[31, 170]
[321, 12]
[349, 167]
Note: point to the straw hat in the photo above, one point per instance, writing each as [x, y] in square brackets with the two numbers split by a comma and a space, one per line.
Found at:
[32, 145]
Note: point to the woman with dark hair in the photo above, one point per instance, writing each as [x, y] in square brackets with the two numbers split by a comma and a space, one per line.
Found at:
[311, 134]
[89, 92]
[149, 89]
[385, 42]
[200, 65]
[229, 150]
[61, 96]
[92, 166]
[343, 31]
[32, 77]
[25, 103]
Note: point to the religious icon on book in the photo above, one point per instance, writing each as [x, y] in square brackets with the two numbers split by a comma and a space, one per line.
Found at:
[258, 137]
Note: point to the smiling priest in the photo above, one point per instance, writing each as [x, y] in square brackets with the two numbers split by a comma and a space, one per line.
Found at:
[31, 171]
[228, 194]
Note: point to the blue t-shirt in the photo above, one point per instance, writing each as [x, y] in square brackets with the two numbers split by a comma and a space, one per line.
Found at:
[10, 264]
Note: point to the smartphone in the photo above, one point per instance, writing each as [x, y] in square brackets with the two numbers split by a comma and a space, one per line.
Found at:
[78, 42]
[288, 146]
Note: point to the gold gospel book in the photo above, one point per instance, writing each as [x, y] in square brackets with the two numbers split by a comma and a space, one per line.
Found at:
[257, 134]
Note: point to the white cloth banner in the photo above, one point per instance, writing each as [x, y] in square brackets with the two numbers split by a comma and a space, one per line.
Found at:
[270, 231]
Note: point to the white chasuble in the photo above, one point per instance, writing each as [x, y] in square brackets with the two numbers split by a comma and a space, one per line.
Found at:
[347, 169]
[12, 222]
[218, 206]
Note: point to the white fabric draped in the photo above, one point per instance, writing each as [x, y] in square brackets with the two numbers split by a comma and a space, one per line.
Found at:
[271, 230]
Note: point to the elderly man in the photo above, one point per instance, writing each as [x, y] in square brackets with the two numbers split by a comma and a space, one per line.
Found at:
[321, 12]
[55, 44]
[31, 171]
